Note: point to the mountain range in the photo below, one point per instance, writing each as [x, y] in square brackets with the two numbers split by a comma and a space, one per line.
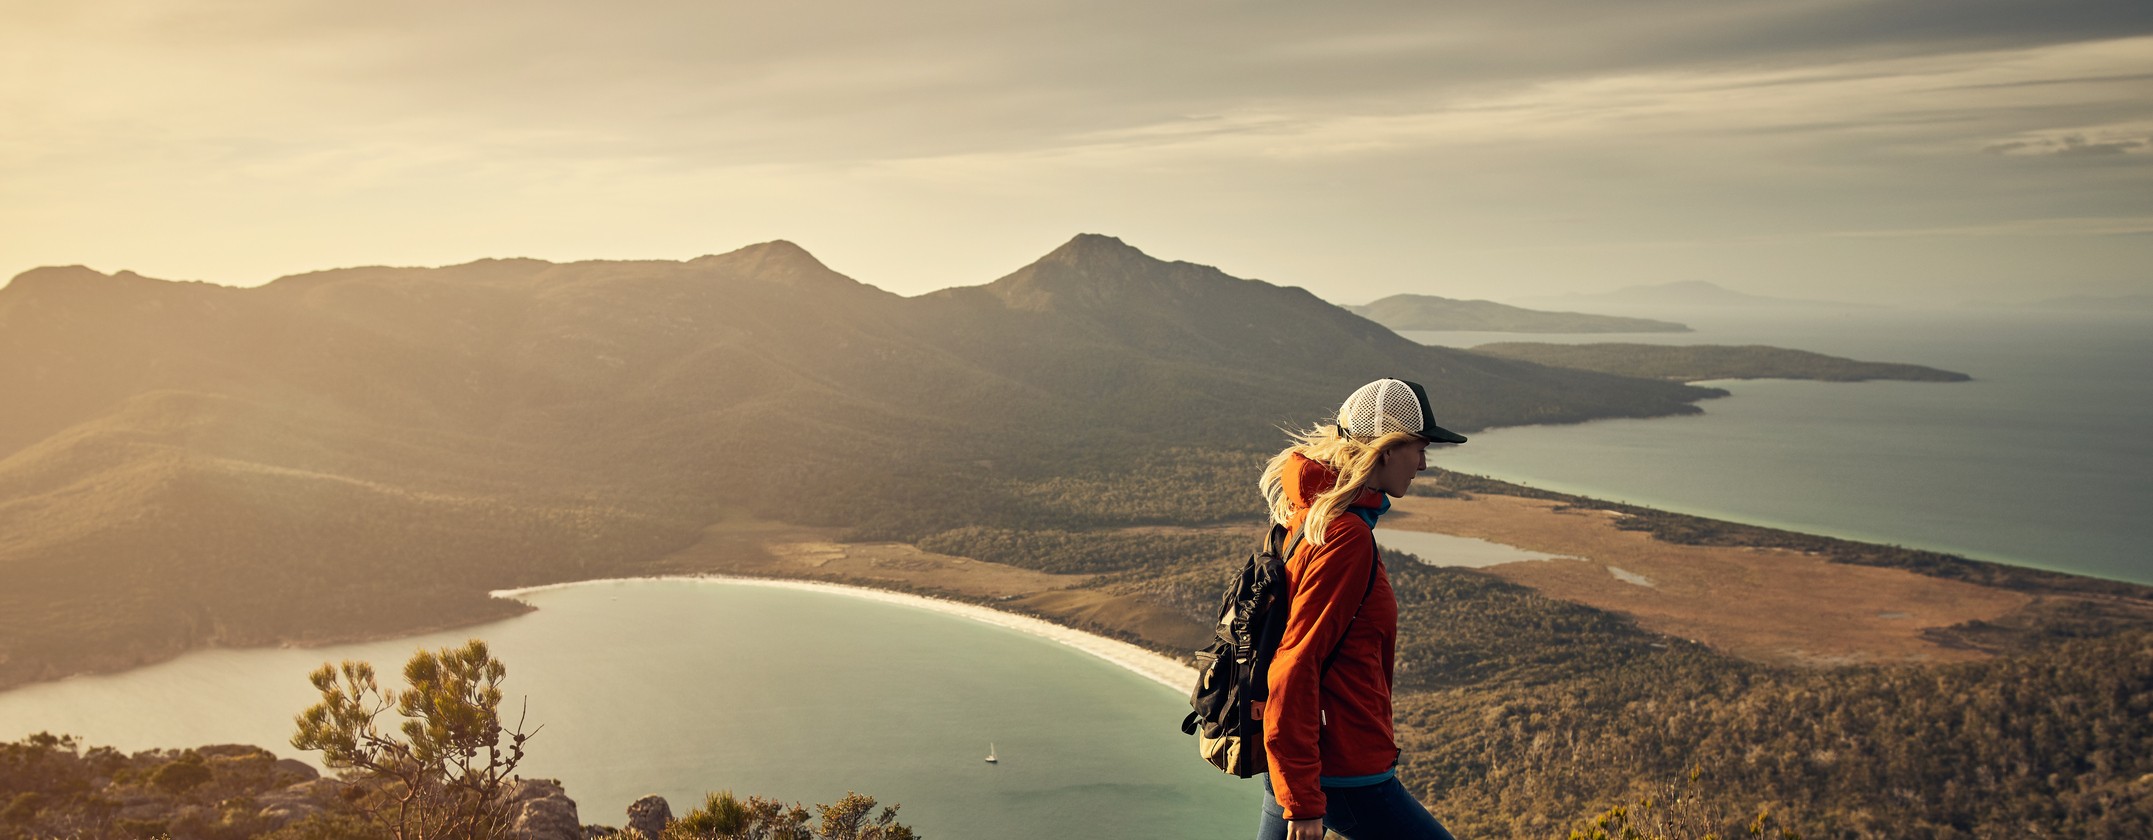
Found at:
[366, 451]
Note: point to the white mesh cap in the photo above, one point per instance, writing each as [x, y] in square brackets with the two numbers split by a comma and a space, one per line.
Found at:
[1392, 405]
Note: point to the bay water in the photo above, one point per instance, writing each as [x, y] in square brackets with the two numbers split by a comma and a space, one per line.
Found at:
[682, 687]
[2044, 460]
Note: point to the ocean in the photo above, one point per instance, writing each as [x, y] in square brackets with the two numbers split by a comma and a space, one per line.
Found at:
[2044, 460]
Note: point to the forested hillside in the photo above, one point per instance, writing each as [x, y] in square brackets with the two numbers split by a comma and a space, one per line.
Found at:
[369, 450]
[1521, 712]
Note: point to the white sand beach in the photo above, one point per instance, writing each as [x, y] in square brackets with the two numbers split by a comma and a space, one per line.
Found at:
[1161, 669]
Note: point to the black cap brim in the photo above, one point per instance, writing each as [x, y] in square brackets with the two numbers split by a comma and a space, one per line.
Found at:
[1429, 431]
[1438, 434]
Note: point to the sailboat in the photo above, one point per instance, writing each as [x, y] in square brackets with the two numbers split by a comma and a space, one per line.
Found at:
[990, 759]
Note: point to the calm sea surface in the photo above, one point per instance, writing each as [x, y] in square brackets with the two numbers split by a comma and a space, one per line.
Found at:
[682, 687]
[2045, 460]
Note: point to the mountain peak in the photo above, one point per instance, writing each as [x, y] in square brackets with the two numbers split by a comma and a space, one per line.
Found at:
[1094, 248]
[75, 279]
[778, 249]
[1089, 271]
[774, 254]
[54, 275]
[777, 261]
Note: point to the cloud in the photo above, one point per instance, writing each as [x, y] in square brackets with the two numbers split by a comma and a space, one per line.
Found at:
[2099, 141]
[2065, 227]
[775, 83]
[1890, 110]
[2074, 145]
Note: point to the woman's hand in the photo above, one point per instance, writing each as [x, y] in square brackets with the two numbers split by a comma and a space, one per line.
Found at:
[1304, 829]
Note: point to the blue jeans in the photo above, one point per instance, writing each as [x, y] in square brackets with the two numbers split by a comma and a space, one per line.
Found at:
[1381, 811]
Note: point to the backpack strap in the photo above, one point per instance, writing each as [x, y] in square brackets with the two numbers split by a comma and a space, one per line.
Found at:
[1275, 541]
[1285, 555]
[1275, 623]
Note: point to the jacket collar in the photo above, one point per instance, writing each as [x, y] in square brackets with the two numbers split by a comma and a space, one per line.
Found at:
[1305, 479]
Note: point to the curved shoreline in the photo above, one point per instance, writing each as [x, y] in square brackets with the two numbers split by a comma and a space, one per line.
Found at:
[1156, 667]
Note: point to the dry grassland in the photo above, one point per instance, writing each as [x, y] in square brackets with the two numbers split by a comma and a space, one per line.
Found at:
[764, 549]
[1769, 605]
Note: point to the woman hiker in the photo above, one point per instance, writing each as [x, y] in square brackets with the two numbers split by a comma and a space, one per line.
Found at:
[1327, 723]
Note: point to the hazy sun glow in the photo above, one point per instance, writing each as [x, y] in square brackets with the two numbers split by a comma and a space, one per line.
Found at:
[1893, 152]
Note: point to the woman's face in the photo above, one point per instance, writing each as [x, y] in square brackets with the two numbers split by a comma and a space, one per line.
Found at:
[1398, 466]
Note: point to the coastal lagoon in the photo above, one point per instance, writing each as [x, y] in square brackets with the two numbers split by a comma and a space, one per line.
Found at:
[681, 687]
[2043, 460]
[1453, 551]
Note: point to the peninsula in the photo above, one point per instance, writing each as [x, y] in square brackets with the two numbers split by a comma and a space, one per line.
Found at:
[1428, 312]
[1700, 362]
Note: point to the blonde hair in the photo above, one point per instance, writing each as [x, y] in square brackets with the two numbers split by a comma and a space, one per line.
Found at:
[1354, 459]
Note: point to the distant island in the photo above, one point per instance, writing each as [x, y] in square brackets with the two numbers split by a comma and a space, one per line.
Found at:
[2098, 303]
[1686, 294]
[1692, 363]
[1428, 312]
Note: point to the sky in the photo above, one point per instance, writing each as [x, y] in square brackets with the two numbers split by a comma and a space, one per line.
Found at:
[1888, 151]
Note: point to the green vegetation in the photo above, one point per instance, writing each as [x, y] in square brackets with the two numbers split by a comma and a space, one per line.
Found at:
[1564, 709]
[1520, 713]
[444, 773]
[1692, 363]
[1428, 312]
[1668, 812]
[1069, 552]
[444, 777]
[51, 787]
[724, 817]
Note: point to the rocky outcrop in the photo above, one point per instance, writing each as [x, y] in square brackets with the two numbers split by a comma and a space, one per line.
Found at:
[141, 805]
[292, 803]
[542, 811]
[296, 768]
[649, 815]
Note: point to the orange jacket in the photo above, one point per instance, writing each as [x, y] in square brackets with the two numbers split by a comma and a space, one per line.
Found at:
[1330, 718]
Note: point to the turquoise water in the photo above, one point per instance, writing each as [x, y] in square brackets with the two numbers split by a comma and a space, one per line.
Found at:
[2044, 460]
[682, 687]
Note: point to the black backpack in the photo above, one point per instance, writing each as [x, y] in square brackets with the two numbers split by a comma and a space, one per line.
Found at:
[1231, 672]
